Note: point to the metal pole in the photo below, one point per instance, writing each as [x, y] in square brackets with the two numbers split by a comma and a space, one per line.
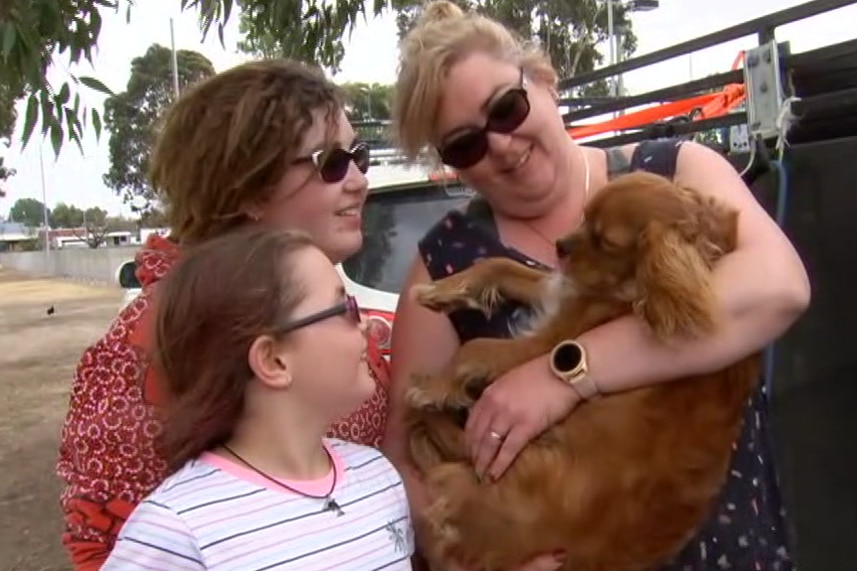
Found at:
[620, 84]
[612, 46]
[45, 207]
[175, 59]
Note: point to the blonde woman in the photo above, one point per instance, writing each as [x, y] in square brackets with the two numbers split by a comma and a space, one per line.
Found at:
[486, 102]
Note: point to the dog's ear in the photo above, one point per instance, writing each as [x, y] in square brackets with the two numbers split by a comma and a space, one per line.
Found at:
[709, 223]
[674, 283]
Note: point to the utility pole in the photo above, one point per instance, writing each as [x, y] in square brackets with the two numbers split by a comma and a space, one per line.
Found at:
[45, 208]
[175, 59]
[611, 44]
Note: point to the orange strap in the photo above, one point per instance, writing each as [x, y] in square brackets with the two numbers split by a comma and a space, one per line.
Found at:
[642, 117]
[705, 107]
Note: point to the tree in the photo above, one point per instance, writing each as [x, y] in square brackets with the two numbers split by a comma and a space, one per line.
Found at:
[28, 211]
[368, 101]
[153, 217]
[261, 42]
[35, 34]
[96, 225]
[8, 117]
[31, 32]
[133, 116]
[91, 225]
[568, 30]
[65, 216]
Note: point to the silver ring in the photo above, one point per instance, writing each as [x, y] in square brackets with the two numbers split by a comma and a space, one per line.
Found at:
[496, 436]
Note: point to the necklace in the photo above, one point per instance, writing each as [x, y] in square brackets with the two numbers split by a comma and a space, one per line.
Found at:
[586, 183]
[330, 504]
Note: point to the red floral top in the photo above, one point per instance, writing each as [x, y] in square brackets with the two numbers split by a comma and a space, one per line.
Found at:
[108, 457]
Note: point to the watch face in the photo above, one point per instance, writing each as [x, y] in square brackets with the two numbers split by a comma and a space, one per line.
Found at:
[567, 357]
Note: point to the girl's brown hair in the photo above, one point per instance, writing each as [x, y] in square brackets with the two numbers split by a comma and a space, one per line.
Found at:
[220, 297]
[229, 140]
[442, 37]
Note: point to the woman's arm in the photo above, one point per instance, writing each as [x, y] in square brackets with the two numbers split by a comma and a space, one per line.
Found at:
[104, 484]
[762, 288]
[423, 342]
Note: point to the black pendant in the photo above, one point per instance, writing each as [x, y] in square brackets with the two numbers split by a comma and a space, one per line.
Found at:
[330, 505]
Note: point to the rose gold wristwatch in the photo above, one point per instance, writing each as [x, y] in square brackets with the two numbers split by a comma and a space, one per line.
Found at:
[568, 363]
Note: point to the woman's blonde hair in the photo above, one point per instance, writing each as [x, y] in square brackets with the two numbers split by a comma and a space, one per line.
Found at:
[443, 36]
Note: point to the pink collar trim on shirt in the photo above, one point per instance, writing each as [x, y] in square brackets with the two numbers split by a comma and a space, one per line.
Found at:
[317, 487]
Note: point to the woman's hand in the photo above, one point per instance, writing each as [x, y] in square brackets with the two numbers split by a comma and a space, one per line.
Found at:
[512, 411]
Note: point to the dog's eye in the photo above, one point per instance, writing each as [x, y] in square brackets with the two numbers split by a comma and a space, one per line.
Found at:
[604, 243]
[609, 245]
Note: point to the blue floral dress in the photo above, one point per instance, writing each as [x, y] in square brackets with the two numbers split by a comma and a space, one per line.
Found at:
[748, 530]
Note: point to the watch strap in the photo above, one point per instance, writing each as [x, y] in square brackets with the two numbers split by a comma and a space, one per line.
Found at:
[585, 387]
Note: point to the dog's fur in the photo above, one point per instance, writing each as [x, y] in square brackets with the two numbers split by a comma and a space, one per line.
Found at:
[625, 481]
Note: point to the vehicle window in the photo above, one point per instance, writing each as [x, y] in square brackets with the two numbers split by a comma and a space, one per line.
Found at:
[128, 276]
[393, 222]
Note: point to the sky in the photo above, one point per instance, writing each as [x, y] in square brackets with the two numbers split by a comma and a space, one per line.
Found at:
[370, 56]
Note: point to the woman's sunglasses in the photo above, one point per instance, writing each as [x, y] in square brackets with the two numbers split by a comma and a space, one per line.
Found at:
[348, 308]
[504, 116]
[332, 164]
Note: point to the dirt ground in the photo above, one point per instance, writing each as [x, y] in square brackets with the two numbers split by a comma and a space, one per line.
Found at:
[38, 353]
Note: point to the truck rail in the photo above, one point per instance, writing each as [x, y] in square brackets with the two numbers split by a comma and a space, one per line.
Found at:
[794, 73]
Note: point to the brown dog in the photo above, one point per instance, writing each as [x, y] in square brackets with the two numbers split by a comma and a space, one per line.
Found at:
[624, 482]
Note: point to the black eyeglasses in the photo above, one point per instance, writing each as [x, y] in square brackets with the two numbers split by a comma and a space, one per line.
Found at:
[504, 116]
[332, 164]
[348, 308]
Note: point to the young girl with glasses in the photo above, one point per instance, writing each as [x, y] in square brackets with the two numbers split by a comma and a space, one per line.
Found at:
[260, 350]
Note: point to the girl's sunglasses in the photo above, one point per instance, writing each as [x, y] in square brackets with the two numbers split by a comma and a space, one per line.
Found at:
[332, 164]
[504, 116]
[348, 308]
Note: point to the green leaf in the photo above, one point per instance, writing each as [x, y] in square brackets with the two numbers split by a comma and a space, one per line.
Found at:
[31, 115]
[46, 108]
[56, 138]
[96, 84]
[64, 94]
[73, 126]
[9, 36]
[95, 23]
[96, 123]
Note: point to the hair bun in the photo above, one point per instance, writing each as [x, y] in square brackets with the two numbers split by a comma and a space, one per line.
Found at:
[438, 10]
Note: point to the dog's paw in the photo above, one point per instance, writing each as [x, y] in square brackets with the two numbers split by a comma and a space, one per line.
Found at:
[438, 517]
[473, 376]
[433, 397]
[419, 398]
[443, 298]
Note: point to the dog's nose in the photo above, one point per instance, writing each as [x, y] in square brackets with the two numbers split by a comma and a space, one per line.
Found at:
[563, 248]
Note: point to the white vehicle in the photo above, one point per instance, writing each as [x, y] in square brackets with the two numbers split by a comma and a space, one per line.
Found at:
[403, 203]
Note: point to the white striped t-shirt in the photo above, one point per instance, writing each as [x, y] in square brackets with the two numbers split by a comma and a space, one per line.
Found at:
[217, 514]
